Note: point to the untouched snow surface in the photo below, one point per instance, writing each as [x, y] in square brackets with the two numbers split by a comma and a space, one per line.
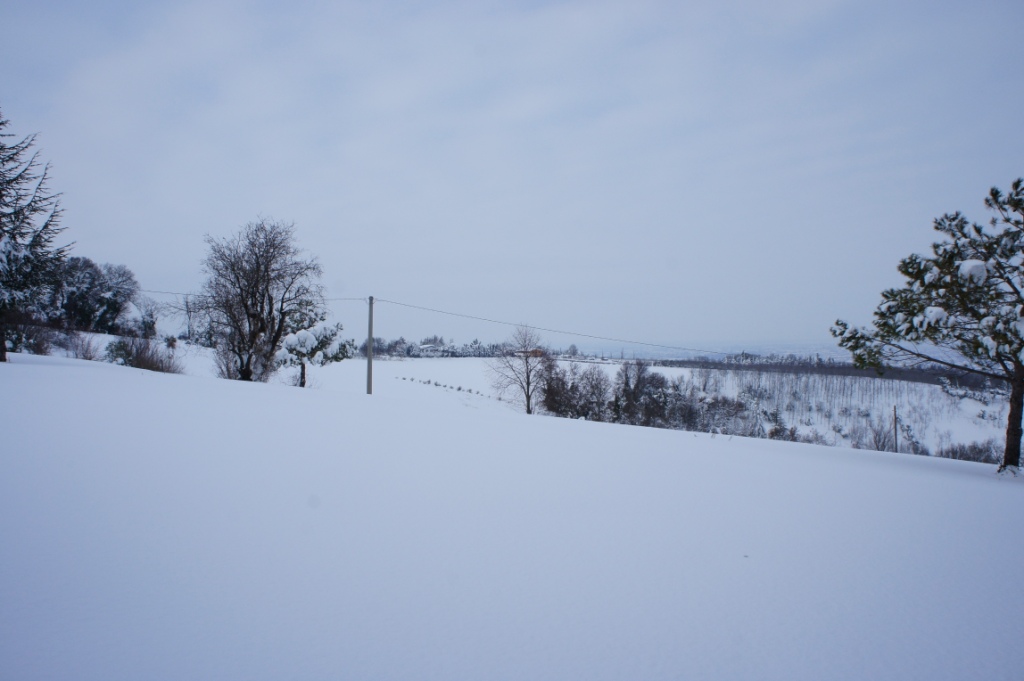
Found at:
[175, 527]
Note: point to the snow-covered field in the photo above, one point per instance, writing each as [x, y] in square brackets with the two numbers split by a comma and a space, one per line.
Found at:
[182, 527]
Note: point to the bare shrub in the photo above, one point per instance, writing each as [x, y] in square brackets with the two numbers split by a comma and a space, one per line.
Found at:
[880, 435]
[814, 438]
[81, 346]
[30, 337]
[858, 436]
[224, 361]
[143, 353]
[988, 451]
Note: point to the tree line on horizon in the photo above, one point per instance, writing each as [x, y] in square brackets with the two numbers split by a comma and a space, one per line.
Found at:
[791, 406]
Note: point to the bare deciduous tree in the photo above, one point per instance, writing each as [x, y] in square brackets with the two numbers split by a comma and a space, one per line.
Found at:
[519, 367]
[258, 290]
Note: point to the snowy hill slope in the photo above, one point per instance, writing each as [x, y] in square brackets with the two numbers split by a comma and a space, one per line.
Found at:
[175, 527]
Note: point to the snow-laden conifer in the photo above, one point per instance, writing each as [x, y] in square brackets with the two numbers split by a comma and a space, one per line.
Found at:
[962, 308]
[319, 346]
[29, 222]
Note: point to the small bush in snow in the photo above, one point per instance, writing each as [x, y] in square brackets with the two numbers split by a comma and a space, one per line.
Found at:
[988, 451]
[31, 338]
[142, 353]
[81, 346]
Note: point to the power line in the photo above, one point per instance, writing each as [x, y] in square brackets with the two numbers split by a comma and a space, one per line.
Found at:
[541, 328]
[488, 320]
[174, 293]
[202, 295]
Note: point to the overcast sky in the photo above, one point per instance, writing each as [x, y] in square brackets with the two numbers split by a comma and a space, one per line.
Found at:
[702, 174]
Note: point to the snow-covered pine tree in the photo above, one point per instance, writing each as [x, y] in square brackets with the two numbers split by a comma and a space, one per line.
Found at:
[29, 222]
[319, 346]
[962, 308]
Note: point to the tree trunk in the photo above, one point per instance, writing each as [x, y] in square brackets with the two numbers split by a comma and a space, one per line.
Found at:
[302, 374]
[1011, 457]
[245, 372]
[3, 342]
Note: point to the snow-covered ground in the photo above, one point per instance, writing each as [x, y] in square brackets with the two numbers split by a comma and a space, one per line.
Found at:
[182, 527]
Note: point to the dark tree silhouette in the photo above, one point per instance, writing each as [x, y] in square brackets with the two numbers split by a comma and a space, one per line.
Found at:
[962, 308]
[519, 367]
[258, 290]
[29, 222]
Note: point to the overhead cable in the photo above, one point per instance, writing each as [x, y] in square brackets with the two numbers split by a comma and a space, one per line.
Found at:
[541, 328]
[490, 321]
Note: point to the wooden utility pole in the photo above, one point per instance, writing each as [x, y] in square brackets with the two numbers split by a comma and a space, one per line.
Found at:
[895, 431]
[369, 353]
